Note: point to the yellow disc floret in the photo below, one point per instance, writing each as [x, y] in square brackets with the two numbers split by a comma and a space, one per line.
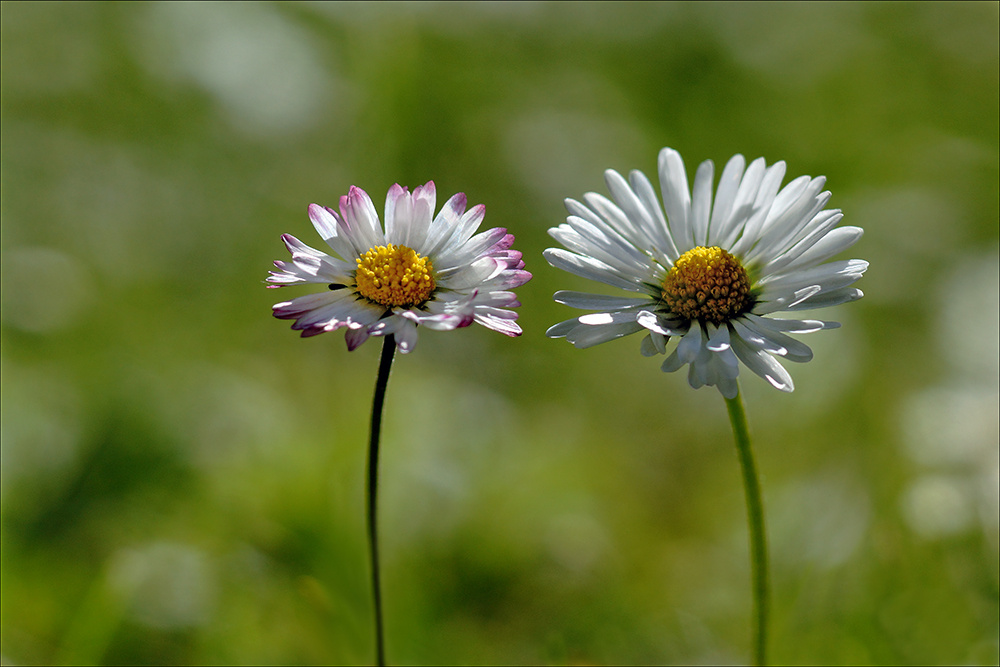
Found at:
[709, 285]
[393, 276]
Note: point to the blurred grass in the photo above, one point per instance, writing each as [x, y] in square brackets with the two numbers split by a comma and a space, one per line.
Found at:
[182, 477]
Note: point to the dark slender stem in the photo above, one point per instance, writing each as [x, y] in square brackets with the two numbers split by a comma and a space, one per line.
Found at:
[755, 521]
[384, 366]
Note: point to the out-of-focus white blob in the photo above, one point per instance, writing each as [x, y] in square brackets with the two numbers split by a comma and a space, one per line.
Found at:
[952, 430]
[951, 426]
[227, 418]
[908, 236]
[627, 23]
[936, 506]
[819, 521]
[264, 72]
[972, 296]
[577, 541]
[447, 469]
[40, 427]
[166, 585]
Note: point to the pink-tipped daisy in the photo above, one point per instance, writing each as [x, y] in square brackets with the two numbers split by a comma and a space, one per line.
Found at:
[711, 274]
[421, 270]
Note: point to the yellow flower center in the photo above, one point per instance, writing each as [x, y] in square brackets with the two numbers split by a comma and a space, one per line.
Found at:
[707, 284]
[395, 276]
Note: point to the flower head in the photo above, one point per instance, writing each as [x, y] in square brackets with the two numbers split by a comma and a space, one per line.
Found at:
[711, 274]
[421, 270]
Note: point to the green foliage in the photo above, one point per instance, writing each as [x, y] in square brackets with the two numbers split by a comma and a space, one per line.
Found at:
[182, 477]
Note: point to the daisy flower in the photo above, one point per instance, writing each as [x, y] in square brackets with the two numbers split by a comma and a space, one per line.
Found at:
[421, 270]
[711, 274]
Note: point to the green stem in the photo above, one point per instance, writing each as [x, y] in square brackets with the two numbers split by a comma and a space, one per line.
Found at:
[755, 521]
[384, 366]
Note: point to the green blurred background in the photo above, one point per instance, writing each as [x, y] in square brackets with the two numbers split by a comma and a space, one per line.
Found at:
[183, 477]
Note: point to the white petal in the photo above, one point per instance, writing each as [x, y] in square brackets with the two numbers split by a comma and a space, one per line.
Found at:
[455, 257]
[560, 330]
[813, 220]
[608, 246]
[718, 338]
[790, 194]
[827, 299]
[310, 265]
[579, 210]
[756, 339]
[831, 275]
[598, 319]
[635, 211]
[663, 242]
[833, 242]
[690, 344]
[410, 214]
[782, 229]
[764, 365]
[447, 222]
[653, 344]
[659, 324]
[502, 325]
[672, 363]
[725, 197]
[397, 204]
[819, 228]
[698, 370]
[303, 304]
[728, 387]
[467, 226]
[676, 197]
[588, 336]
[746, 196]
[360, 222]
[324, 221]
[761, 207]
[341, 312]
[790, 326]
[586, 301]
[774, 303]
[589, 269]
[424, 201]
[701, 202]
[727, 363]
[406, 337]
[778, 343]
[355, 337]
[470, 276]
[610, 213]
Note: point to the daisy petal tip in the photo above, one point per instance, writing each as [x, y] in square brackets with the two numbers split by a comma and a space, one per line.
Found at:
[668, 153]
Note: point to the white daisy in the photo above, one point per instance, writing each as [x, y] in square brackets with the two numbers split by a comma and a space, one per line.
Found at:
[422, 270]
[710, 274]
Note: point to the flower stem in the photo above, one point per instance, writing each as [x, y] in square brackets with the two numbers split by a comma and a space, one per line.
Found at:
[384, 366]
[755, 522]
